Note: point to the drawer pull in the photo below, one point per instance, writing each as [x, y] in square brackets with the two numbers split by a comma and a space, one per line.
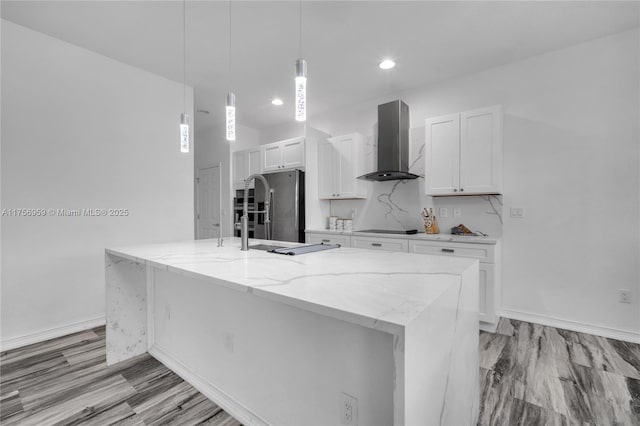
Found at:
[448, 250]
[376, 244]
[326, 241]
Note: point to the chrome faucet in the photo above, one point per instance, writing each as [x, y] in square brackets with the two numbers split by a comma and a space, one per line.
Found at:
[244, 220]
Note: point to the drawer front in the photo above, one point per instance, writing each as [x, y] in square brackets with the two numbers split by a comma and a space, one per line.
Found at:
[343, 240]
[389, 244]
[483, 252]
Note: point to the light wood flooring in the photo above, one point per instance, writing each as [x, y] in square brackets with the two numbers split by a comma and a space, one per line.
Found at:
[530, 375]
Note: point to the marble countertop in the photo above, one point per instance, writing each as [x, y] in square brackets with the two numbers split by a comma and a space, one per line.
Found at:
[419, 236]
[377, 289]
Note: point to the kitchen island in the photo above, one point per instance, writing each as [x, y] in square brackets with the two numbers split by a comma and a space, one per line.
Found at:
[342, 336]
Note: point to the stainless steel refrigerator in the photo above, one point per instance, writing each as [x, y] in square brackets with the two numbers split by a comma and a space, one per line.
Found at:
[287, 206]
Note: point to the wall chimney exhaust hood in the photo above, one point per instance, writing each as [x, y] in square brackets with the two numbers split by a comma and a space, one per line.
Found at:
[393, 143]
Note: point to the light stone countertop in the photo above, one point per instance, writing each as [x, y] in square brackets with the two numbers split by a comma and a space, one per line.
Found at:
[376, 289]
[473, 239]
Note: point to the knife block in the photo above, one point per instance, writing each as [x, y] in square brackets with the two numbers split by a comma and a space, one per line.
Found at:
[431, 226]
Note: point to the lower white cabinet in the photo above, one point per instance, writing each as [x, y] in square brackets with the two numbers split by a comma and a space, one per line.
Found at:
[488, 256]
[317, 238]
[389, 244]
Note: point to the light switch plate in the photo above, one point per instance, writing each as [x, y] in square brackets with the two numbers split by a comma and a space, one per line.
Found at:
[444, 212]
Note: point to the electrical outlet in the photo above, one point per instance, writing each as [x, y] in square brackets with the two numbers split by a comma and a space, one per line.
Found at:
[348, 409]
[517, 212]
[625, 295]
[457, 212]
[444, 212]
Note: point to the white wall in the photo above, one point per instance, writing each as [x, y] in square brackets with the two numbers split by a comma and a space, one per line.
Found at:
[81, 131]
[571, 155]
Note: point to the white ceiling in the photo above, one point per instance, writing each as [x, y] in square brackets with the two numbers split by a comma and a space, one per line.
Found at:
[342, 41]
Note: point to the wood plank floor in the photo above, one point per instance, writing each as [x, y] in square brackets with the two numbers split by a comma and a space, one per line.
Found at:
[66, 381]
[536, 375]
[530, 375]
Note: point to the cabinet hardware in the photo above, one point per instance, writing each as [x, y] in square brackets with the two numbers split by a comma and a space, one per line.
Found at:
[455, 189]
[376, 244]
[446, 250]
[461, 189]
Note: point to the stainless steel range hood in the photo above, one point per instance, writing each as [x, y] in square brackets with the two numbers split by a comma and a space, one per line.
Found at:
[393, 143]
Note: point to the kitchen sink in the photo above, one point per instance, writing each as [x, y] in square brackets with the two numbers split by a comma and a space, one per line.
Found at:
[265, 247]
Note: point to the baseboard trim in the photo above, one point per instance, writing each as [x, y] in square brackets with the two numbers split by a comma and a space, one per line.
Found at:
[225, 401]
[52, 333]
[596, 330]
[490, 327]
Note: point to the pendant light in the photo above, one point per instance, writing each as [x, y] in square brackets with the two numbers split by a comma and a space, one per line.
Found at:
[301, 80]
[230, 109]
[184, 117]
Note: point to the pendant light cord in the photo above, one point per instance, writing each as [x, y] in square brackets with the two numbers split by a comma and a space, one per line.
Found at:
[184, 55]
[230, 82]
[300, 23]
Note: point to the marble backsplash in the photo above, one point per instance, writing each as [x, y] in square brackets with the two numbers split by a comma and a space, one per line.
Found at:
[397, 204]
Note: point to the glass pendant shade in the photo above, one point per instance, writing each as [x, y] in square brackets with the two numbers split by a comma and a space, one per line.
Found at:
[301, 90]
[231, 116]
[184, 133]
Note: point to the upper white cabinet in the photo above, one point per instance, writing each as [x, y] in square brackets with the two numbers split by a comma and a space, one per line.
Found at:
[245, 164]
[283, 155]
[463, 153]
[341, 160]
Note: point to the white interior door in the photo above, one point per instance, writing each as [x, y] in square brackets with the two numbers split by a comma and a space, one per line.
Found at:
[208, 215]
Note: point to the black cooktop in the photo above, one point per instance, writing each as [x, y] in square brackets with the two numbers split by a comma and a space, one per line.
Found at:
[392, 231]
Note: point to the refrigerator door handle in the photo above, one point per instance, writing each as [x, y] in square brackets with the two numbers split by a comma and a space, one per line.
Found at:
[269, 231]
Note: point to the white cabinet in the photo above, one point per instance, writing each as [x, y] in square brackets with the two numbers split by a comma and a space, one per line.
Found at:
[283, 155]
[390, 244]
[341, 160]
[245, 163]
[317, 238]
[489, 280]
[463, 153]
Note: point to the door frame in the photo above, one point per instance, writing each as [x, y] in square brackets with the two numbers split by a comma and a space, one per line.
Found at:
[196, 218]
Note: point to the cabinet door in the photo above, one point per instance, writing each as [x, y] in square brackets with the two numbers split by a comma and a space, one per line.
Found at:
[272, 156]
[253, 161]
[481, 151]
[486, 280]
[442, 155]
[326, 169]
[239, 167]
[292, 154]
[346, 164]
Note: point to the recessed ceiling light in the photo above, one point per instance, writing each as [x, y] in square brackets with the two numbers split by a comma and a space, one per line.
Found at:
[277, 101]
[387, 64]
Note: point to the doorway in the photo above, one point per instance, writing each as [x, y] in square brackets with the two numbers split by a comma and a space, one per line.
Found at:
[208, 184]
